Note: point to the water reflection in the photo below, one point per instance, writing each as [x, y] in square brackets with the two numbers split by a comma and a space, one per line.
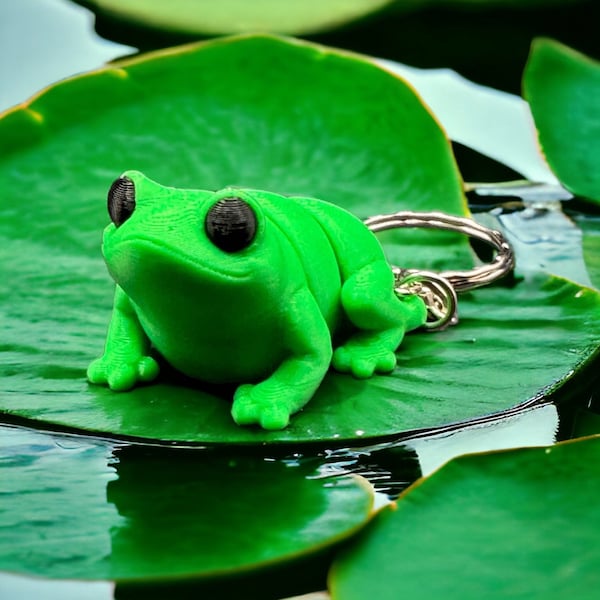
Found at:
[72, 506]
[53, 514]
[77, 508]
[392, 466]
[182, 508]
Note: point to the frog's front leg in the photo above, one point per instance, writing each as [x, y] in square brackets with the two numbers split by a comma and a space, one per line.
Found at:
[125, 360]
[382, 318]
[271, 402]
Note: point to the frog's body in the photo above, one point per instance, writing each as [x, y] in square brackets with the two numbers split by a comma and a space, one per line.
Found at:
[246, 287]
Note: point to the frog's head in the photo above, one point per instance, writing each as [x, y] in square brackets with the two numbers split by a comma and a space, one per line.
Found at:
[161, 235]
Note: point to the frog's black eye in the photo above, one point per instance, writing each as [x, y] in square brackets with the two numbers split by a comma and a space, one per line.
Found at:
[121, 200]
[231, 224]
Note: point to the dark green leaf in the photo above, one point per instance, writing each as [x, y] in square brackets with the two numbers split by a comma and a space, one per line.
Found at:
[563, 87]
[520, 524]
[223, 113]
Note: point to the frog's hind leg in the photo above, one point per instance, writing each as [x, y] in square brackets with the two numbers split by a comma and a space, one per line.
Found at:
[367, 294]
[381, 317]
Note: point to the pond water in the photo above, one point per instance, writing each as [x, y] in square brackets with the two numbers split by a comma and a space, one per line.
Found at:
[72, 503]
[38, 467]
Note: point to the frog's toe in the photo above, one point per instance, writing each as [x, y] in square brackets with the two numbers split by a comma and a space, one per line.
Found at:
[96, 372]
[247, 409]
[350, 360]
[362, 361]
[245, 414]
[122, 378]
[148, 369]
[274, 418]
[342, 360]
[386, 362]
[363, 368]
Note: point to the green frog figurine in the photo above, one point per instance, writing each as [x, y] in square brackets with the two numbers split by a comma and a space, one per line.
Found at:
[246, 287]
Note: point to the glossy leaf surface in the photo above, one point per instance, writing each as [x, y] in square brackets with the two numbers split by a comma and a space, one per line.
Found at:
[82, 510]
[536, 334]
[222, 113]
[563, 87]
[516, 524]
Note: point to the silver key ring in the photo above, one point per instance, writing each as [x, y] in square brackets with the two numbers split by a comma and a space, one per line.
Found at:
[439, 290]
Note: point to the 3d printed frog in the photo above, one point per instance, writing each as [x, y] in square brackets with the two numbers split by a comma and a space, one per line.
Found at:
[246, 287]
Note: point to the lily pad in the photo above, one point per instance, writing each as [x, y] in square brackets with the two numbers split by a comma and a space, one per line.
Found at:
[238, 16]
[539, 334]
[590, 227]
[83, 510]
[223, 113]
[562, 87]
[515, 524]
[203, 17]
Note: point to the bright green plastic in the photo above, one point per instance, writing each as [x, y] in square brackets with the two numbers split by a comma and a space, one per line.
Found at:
[256, 112]
[246, 287]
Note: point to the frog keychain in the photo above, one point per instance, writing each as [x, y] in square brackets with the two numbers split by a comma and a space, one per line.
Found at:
[264, 291]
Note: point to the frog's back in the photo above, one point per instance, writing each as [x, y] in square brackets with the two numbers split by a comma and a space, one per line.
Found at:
[330, 242]
[353, 244]
[312, 246]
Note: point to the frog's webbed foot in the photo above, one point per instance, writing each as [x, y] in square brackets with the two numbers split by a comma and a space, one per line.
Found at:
[121, 373]
[366, 353]
[250, 407]
[381, 319]
[270, 402]
[126, 359]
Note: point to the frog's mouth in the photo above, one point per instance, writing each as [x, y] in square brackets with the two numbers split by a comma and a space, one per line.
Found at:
[227, 246]
[151, 261]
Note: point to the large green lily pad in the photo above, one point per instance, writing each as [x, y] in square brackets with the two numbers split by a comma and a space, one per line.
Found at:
[563, 87]
[239, 16]
[538, 335]
[269, 113]
[73, 510]
[515, 524]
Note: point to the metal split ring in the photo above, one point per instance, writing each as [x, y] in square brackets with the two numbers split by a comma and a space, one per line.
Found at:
[439, 290]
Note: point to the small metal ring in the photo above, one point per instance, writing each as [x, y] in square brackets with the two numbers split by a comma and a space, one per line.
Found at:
[438, 294]
[502, 264]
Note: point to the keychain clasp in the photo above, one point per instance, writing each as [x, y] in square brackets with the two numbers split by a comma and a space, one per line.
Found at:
[439, 290]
